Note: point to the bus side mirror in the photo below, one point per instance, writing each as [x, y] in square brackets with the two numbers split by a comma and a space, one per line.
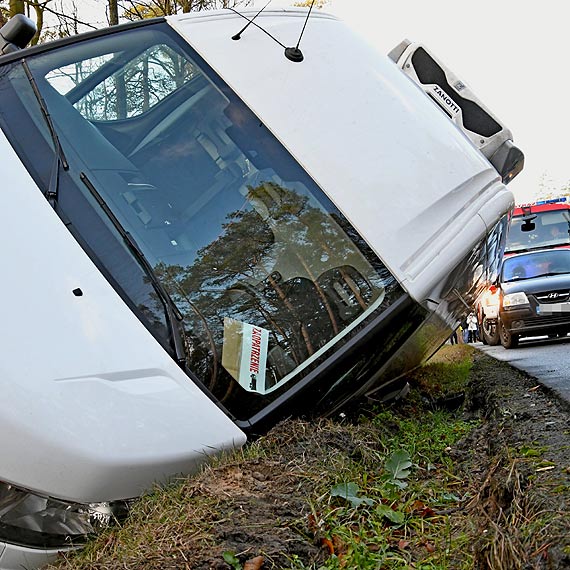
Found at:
[16, 33]
[508, 160]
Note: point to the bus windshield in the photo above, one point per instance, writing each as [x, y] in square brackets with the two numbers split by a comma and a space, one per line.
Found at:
[267, 274]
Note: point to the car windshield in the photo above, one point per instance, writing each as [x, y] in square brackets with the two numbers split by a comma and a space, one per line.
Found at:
[536, 264]
[550, 229]
[267, 274]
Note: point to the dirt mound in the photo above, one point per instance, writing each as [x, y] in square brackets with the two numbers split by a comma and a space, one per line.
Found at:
[517, 464]
[521, 457]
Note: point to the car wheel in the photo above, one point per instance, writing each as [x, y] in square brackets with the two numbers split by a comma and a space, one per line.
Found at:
[508, 340]
[490, 332]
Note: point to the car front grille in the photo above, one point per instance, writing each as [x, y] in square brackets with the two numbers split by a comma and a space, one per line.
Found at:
[552, 296]
[547, 320]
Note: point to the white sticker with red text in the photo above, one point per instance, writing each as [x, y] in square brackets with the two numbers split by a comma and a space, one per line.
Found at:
[245, 354]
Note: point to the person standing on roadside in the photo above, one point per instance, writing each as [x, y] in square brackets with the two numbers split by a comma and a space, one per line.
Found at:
[464, 332]
[471, 327]
[453, 337]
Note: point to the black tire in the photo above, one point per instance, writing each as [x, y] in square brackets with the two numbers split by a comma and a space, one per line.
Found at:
[490, 332]
[508, 340]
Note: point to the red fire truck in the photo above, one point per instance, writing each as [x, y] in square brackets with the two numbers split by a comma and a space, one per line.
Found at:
[540, 225]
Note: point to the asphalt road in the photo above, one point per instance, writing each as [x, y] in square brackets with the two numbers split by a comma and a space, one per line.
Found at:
[548, 360]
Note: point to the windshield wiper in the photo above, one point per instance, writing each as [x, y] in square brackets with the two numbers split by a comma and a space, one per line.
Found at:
[551, 273]
[60, 161]
[173, 314]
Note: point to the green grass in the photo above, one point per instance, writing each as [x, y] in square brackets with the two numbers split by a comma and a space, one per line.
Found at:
[380, 493]
[418, 529]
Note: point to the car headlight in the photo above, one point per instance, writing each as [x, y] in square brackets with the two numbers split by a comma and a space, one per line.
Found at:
[515, 299]
[491, 299]
[36, 521]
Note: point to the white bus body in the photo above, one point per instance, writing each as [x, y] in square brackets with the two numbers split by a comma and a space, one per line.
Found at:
[255, 238]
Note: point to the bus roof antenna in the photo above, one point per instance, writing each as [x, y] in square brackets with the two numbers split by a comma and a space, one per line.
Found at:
[294, 53]
[238, 35]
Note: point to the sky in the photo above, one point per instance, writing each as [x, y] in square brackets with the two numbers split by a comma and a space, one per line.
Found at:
[512, 53]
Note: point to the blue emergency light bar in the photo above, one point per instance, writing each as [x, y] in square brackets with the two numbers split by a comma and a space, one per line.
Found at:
[553, 201]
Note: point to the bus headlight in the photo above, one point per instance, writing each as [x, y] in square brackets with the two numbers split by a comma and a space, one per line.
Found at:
[514, 300]
[32, 520]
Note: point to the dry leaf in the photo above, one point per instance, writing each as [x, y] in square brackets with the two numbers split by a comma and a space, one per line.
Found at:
[426, 512]
[328, 545]
[338, 545]
[418, 505]
[312, 523]
[254, 564]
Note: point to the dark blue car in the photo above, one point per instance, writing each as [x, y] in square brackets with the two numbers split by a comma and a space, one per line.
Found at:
[535, 295]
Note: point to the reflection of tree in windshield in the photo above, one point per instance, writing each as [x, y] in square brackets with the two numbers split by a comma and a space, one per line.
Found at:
[138, 84]
[282, 264]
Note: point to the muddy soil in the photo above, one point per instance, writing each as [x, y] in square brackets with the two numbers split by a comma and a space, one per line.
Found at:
[515, 464]
[518, 460]
[521, 458]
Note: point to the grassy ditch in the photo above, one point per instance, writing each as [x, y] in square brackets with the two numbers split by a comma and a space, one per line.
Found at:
[410, 486]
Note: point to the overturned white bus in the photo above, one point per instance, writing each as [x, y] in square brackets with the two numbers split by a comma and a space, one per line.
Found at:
[207, 231]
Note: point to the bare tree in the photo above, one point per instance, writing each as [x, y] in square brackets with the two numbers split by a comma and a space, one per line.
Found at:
[4, 14]
[113, 13]
[25, 7]
[17, 7]
[65, 16]
[309, 3]
[140, 9]
[39, 9]
[69, 23]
